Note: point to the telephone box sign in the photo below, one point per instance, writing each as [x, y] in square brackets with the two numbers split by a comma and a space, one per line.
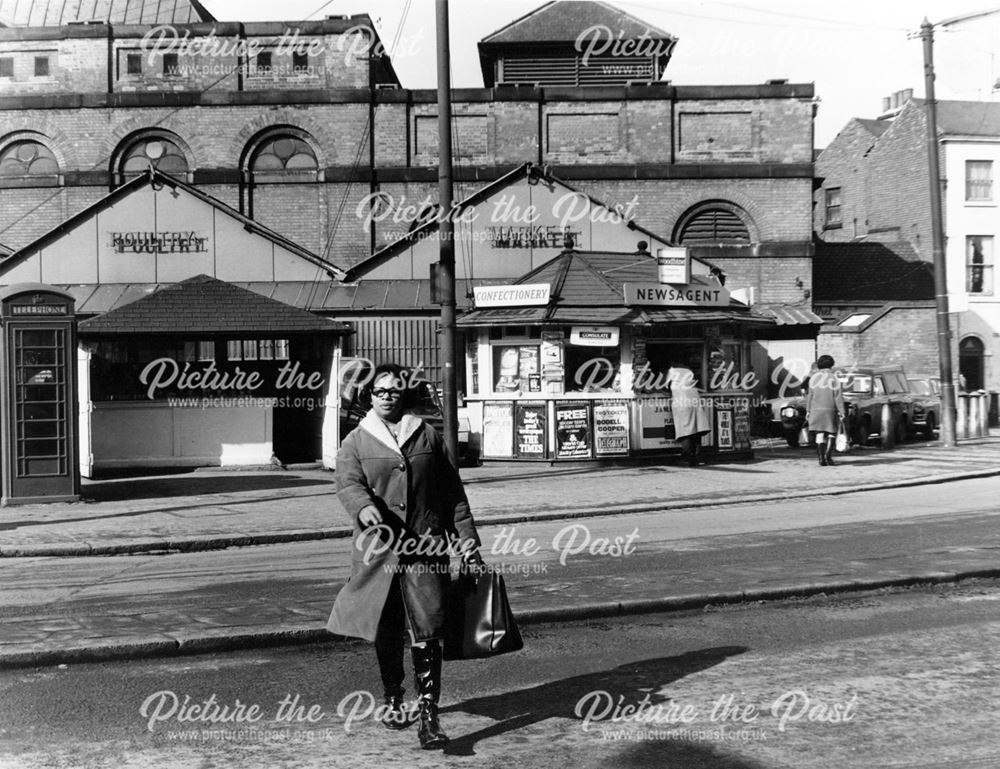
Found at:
[673, 265]
[158, 242]
[527, 294]
[658, 295]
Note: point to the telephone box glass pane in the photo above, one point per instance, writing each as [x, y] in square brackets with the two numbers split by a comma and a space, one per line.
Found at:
[41, 395]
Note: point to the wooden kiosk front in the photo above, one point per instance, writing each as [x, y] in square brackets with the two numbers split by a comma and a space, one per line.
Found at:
[574, 366]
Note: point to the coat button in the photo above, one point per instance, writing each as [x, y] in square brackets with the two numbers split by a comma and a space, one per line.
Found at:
[402, 467]
[401, 505]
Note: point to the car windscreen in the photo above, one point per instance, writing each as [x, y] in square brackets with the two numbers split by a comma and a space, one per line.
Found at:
[920, 387]
[859, 384]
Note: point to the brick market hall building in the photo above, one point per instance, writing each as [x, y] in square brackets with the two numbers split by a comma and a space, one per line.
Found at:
[146, 146]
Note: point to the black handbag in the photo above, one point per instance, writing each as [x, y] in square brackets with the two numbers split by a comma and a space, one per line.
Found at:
[478, 619]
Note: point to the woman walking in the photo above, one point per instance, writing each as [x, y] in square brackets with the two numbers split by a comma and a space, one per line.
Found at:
[690, 420]
[824, 408]
[405, 498]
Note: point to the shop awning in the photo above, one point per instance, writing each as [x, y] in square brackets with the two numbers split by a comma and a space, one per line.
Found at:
[204, 305]
[789, 315]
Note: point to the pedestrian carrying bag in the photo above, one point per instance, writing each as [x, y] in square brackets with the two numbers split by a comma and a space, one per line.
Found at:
[841, 444]
[478, 619]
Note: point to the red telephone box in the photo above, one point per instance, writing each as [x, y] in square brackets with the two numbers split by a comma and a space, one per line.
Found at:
[38, 395]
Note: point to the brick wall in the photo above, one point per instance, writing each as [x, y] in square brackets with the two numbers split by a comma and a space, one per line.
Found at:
[843, 165]
[899, 194]
[903, 337]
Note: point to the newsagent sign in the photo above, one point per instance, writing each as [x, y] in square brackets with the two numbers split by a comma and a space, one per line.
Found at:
[658, 295]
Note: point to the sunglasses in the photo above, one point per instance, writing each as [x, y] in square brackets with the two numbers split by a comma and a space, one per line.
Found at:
[386, 392]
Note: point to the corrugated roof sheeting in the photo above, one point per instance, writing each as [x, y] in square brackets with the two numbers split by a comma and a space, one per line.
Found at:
[789, 315]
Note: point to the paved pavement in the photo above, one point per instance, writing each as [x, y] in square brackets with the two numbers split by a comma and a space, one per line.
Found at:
[131, 600]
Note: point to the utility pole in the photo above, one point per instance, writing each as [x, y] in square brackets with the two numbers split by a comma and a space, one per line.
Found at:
[445, 273]
[937, 241]
[937, 226]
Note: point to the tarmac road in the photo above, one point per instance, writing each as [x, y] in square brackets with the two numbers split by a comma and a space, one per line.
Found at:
[906, 680]
[146, 604]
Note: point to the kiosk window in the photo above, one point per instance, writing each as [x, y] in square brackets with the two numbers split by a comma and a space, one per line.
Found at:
[592, 369]
[40, 403]
[516, 368]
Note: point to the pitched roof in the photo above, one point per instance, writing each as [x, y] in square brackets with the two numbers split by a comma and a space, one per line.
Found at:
[966, 118]
[54, 13]
[588, 287]
[868, 271]
[5, 251]
[433, 222]
[206, 305]
[154, 177]
[563, 20]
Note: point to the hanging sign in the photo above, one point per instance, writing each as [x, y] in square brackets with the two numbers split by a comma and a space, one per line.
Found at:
[673, 265]
[521, 295]
[594, 336]
[688, 295]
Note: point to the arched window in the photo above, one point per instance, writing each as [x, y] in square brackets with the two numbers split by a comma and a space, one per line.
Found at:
[27, 158]
[714, 223]
[283, 157]
[159, 150]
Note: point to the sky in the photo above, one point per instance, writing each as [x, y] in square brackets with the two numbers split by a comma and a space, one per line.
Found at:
[855, 51]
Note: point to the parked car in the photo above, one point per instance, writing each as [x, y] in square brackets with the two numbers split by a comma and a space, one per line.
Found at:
[866, 390]
[785, 417]
[926, 415]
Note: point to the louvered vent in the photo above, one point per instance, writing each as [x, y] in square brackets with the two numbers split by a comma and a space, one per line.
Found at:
[571, 71]
[715, 225]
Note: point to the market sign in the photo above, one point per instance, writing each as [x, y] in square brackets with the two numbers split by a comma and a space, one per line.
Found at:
[522, 295]
[688, 295]
[594, 336]
[673, 265]
[189, 242]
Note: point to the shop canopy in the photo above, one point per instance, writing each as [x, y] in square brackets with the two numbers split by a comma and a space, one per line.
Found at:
[206, 305]
[588, 287]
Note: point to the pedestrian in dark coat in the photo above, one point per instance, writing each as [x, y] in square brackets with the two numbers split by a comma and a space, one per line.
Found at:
[405, 497]
[824, 408]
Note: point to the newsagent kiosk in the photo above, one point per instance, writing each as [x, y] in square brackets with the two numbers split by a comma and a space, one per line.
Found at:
[570, 361]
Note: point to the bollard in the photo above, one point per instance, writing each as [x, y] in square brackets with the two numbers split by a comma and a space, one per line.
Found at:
[961, 422]
[888, 435]
[984, 415]
[974, 417]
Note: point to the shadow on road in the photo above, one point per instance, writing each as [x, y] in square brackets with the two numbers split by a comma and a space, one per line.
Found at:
[558, 699]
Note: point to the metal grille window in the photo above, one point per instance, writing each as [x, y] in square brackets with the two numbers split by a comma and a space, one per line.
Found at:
[300, 63]
[833, 218]
[979, 180]
[264, 63]
[40, 374]
[979, 264]
[41, 66]
[6, 66]
[133, 64]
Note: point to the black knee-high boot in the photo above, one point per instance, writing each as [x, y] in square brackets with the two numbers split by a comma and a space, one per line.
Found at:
[821, 448]
[828, 449]
[390, 649]
[427, 675]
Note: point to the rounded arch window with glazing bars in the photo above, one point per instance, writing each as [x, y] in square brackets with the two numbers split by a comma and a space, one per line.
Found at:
[283, 157]
[27, 157]
[158, 151]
